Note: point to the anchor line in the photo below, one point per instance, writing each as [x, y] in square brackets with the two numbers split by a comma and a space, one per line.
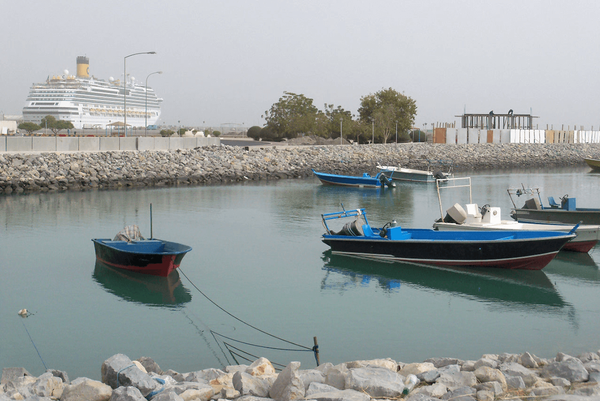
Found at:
[240, 320]
[34, 346]
[201, 333]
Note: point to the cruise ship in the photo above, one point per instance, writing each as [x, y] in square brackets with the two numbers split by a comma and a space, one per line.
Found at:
[88, 102]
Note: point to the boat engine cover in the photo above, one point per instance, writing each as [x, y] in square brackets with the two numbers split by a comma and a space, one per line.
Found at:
[457, 213]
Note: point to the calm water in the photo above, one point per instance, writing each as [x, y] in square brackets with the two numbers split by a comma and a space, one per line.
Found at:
[257, 254]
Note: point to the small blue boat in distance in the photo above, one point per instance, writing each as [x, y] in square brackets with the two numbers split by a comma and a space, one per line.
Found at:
[364, 181]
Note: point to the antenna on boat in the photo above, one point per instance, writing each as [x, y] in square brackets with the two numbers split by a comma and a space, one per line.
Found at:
[151, 236]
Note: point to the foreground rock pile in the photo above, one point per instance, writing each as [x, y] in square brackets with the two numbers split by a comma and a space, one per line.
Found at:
[506, 376]
[34, 172]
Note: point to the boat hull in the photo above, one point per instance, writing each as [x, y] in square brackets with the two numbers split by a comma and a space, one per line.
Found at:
[557, 216]
[593, 163]
[349, 180]
[154, 257]
[527, 253]
[587, 236]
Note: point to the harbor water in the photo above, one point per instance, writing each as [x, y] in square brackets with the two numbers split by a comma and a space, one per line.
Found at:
[259, 274]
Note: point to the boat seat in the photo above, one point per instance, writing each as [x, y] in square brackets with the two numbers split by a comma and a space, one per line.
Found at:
[552, 202]
[368, 231]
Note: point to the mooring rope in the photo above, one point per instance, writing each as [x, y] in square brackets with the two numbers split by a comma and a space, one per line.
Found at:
[34, 346]
[242, 321]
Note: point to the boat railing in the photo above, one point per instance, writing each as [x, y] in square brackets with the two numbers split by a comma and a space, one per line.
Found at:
[524, 191]
[341, 215]
[452, 183]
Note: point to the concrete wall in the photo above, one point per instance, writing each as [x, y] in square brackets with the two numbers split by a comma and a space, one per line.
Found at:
[94, 144]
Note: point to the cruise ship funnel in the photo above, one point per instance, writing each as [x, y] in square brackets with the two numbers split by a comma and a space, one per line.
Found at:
[83, 67]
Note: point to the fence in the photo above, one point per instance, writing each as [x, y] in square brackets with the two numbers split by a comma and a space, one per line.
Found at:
[95, 144]
[473, 135]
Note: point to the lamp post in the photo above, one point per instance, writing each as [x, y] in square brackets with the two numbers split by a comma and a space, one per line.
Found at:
[396, 132]
[146, 110]
[341, 135]
[125, 86]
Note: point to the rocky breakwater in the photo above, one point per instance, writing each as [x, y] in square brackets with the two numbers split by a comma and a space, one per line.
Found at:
[32, 172]
[492, 377]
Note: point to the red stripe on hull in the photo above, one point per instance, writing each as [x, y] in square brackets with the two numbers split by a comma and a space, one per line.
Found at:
[537, 262]
[162, 269]
[584, 247]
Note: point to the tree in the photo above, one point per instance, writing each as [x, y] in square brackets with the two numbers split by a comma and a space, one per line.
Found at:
[254, 132]
[292, 115]
[55, 125]
[387, 108]
[333, 117]
[29, 127]
[166, 132]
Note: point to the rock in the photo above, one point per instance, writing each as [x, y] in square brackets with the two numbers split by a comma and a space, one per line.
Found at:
[288, 385]
[149, 365]
[340, 395]
[464, 393]
[84, 389]
[588, 391]
[47, 385]
[560, 382]
[309, 376]
[485, 374]
[515, 382]
[247, 384]
[490, 363]
[421, 397]
[127, 393]
[119, 370]
[529, 361]
[335, 375]
[416, 368]
[260, 367]
[376, 382]
[494, 387]
[484, 395]
[167, 396]
[437, 390]
[11, 374]
[570, 368]
[441, 362]
[514, 369]
[457, 380]
[374, 363]
[315, 388]
[546, 391]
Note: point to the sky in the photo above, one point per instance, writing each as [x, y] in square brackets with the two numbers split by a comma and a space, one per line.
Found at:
[227, 62]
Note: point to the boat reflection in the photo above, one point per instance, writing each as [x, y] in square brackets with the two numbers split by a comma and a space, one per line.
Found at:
[142, 288]
[577, 266]
[516, 289]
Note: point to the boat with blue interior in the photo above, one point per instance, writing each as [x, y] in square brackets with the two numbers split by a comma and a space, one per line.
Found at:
[364, 181]
[509, 249]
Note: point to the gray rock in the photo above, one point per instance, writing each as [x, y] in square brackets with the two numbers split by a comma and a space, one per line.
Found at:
[441, 362]
[485, 395]
[588, 357]
[167, 396]
[150, 365]
[494, 387]
[11, 374]
[529, 361]
[436, 390]
[430, 376]
[60, 374]
[335, 375]
[247, 384]
[454, 381]
[288, 385]
[546, 391]
[309, 376]
[119, 370]
[421, 397]
[127, 393]
[485, 374]
[47, 385]
[569, 368]
[594, 377]
[514, 369]
[515, 382]
[341, 395]
[377, 382]
[465, 393]
[592, 366]
[588, 391]
[84, 389]
[315, 388]
[490, 363]
[560, 382]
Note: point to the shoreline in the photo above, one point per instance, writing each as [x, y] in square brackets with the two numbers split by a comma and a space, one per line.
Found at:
[57, 171]
[504, 376]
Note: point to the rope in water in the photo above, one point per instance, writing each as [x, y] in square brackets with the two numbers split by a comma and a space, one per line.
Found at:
[240, 320]
[34, 346]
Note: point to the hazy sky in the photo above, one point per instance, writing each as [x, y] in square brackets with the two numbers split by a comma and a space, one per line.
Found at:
[229, 61]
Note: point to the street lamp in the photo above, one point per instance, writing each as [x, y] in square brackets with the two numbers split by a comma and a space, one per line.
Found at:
[125, 86]
[146, 111]
[341, 135]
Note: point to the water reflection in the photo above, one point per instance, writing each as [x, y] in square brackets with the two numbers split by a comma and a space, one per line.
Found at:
[576, 266]
[515, 289]
[142, 288]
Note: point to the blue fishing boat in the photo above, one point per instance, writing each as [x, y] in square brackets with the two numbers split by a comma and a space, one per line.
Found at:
[531, 250]
[364, 181]
[129, 250]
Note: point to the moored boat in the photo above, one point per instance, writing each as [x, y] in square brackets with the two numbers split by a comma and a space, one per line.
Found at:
[489, 218]
[435, 170]
[366, 180]
[567, 212]
[593, 163]
[531, 250]
[130, 251]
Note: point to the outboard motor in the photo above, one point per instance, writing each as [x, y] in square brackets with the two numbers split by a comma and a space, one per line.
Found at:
[386, 181]
[351, 229]
[439, 175]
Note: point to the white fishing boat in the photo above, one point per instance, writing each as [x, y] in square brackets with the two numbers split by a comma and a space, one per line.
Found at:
[474, 218]
[432, 171]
